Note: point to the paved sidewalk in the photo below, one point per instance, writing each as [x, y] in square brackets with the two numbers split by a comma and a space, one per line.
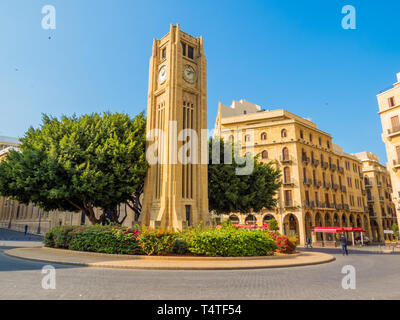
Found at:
[99, 260]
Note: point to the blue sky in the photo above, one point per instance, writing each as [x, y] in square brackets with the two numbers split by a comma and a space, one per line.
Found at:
[278, 54]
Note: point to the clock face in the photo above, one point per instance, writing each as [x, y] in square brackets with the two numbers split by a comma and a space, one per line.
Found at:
[189, 74]
[162, 74]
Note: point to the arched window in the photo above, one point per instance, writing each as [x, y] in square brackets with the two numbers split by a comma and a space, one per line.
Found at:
[264, 154]
[234, 219]
[286, 174]
[263, 136]
[285, 153]
[283, 133]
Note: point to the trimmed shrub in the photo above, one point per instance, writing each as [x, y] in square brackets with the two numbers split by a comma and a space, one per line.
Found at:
[230, 242]
[104, 239]
[157, 242]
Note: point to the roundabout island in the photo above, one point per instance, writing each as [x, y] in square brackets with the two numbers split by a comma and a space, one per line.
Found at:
[101, 260]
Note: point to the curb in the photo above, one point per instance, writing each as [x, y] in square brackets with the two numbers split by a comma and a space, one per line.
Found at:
[156, 264]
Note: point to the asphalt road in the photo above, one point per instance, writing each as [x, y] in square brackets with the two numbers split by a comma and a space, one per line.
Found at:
[377, 277]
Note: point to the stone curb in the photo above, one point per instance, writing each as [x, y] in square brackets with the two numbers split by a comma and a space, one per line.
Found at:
[167, 263]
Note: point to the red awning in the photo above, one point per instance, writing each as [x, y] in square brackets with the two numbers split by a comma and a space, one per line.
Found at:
[337, 229]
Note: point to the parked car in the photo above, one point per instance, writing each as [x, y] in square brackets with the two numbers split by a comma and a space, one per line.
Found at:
[365, 239]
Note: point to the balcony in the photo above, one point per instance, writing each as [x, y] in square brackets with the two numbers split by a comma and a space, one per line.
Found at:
[305, 160]
[393, 132]
[396, 164]
[288, 183]
[343, 188]
[361, 175]
[379, 184]
[287, 159]
[289, 205]
[315, 162]
[343, 206]
[307, 182]
[368, 184]
[364, 192]
[335, 186]
[324, 165]
[370, 199]
[317, 183]
[307, 204]
[333, 167]
[340, 169]
[326, 185]
[381, 198]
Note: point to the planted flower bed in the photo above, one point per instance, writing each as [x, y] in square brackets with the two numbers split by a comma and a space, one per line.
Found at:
[225, 241]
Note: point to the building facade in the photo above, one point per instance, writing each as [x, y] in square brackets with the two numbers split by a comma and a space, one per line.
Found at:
[321, 184]
[379, 190]
[176, 187]
[389, 111]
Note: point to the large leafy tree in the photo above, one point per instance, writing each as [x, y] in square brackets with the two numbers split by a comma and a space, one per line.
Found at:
[78, 164]
[229, 191]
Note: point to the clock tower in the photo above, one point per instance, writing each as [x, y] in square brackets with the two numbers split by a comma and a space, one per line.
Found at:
[176, 186]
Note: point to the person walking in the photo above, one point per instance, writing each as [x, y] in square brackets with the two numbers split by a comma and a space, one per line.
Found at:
[343, 241]
[308, 242]
[26, 229]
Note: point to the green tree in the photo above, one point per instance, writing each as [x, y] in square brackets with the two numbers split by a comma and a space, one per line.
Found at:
[230, 192]
[78, 164]
[395, 229]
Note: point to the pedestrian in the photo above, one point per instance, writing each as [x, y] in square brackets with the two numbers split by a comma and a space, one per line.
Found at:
[343, 241]
[308, 242]
[26, 229]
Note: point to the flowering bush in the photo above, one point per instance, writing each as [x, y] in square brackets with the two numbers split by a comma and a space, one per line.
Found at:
[226, 241]
[229, 241]
[157, 242]
[283, 243]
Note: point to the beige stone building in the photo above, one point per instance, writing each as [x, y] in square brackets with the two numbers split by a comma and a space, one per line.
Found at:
[378, 185]
[322, 185]
[176, 190]
[389, 111]
[7, 144]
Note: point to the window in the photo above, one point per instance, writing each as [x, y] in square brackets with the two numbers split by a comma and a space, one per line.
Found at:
[320, 141]
[264, 154]
[301, 134]
[286, 174]
[288, 197]
[310, 137]
[183, 49]
[263, 136]
[244, 112]
[285, 153]
[328, 144]
[190, 52]
[247, 138]
[391, 102]
[283, 133]
[164, 53]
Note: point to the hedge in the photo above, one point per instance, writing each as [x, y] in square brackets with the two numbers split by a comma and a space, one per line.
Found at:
[225, 241]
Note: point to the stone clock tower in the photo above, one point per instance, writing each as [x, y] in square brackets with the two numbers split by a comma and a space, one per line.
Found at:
[176, 186]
